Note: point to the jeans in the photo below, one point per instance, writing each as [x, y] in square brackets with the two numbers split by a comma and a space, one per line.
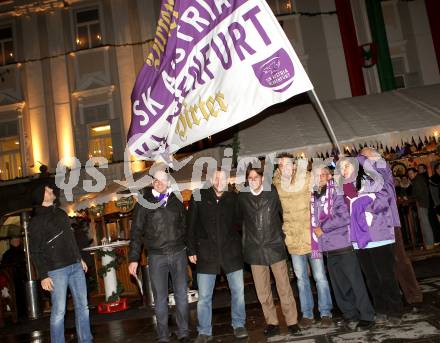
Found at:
[305, 292]
[206, 284]
[175, 265]
[425, 225]
[73, 277]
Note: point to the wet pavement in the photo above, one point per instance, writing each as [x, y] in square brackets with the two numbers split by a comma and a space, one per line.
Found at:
[420, 323]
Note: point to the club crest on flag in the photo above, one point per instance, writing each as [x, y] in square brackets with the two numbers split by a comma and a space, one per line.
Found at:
[276, 71]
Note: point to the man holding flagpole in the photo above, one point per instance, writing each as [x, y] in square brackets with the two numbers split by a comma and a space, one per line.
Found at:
[161, 229]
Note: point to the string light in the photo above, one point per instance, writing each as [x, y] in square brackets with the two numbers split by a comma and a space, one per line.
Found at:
[72, 52]
[307, 14]
[314, 14]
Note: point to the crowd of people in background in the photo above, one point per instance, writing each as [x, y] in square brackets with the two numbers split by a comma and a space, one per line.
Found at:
[418, 186]
[347, 226]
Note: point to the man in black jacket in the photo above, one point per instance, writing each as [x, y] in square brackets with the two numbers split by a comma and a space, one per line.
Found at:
[58, 263]
[161, 228]
[15, 258]
[263, 243]
[215, 245]
[420, 192]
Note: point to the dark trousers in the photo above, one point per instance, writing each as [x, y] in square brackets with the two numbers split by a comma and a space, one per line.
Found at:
[378, 267]
[405, 272]
[160, 267]
[348, 286]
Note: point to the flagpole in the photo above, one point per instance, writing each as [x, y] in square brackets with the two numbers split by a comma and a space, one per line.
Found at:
[320, 110]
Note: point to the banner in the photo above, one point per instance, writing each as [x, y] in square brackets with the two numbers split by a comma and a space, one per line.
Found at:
[213, 64]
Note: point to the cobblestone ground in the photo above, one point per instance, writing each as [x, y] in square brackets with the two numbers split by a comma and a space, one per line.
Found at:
[420, 324]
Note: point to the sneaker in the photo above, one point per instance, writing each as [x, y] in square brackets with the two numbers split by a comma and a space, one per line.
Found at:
[184, 339]
[351, 324]
[364, 325]
[271, 330]
[340, 322]
[240, 332]
[380, 318]
[393, 321]
[326, 322]
[203, 339]
[306, 323]
[294, 330]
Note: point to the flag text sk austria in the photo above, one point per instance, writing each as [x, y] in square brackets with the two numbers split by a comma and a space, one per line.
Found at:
[212, 64]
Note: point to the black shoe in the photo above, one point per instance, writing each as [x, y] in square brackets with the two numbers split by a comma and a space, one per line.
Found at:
[184, 339]
[294, 330]
[203, 339]
[240, 332]
[364, 325]
[380, 318]
[271, 330]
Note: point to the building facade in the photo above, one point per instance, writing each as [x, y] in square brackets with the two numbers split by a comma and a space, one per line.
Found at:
[67, 70]
[349, 46]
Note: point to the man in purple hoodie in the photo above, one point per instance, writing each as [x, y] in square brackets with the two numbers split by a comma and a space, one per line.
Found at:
[373, 220]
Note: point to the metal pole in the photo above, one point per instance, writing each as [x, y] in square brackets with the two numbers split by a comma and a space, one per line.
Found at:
[24, 220]
[320, 109]
[32, 301]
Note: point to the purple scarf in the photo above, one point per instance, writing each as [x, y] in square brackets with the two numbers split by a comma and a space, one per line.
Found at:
[350, 192]
[316, 222]
[162, 198]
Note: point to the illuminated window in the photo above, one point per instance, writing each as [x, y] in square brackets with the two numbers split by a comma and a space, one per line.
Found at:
[88, 29]
[280, 7]
[6, 46]
[10, 159]
[100, 141]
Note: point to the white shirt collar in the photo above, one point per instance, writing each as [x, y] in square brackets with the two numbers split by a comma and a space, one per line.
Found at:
[257, 193]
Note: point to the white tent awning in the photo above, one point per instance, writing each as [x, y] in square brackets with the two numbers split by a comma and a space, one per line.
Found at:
[386, 117]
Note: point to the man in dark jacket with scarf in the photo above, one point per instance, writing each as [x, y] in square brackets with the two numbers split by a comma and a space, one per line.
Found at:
[57, 260]
[161, 227]
[215, 246]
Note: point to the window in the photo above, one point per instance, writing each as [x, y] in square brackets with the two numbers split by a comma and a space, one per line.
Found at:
[6, 46]
[10, 159]
[88, 29]
[100, 141]
[280, 7]
[399, 70]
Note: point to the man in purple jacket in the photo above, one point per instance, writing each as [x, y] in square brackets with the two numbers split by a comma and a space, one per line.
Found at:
[330, 222]
[376, 253]
[403, 266]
